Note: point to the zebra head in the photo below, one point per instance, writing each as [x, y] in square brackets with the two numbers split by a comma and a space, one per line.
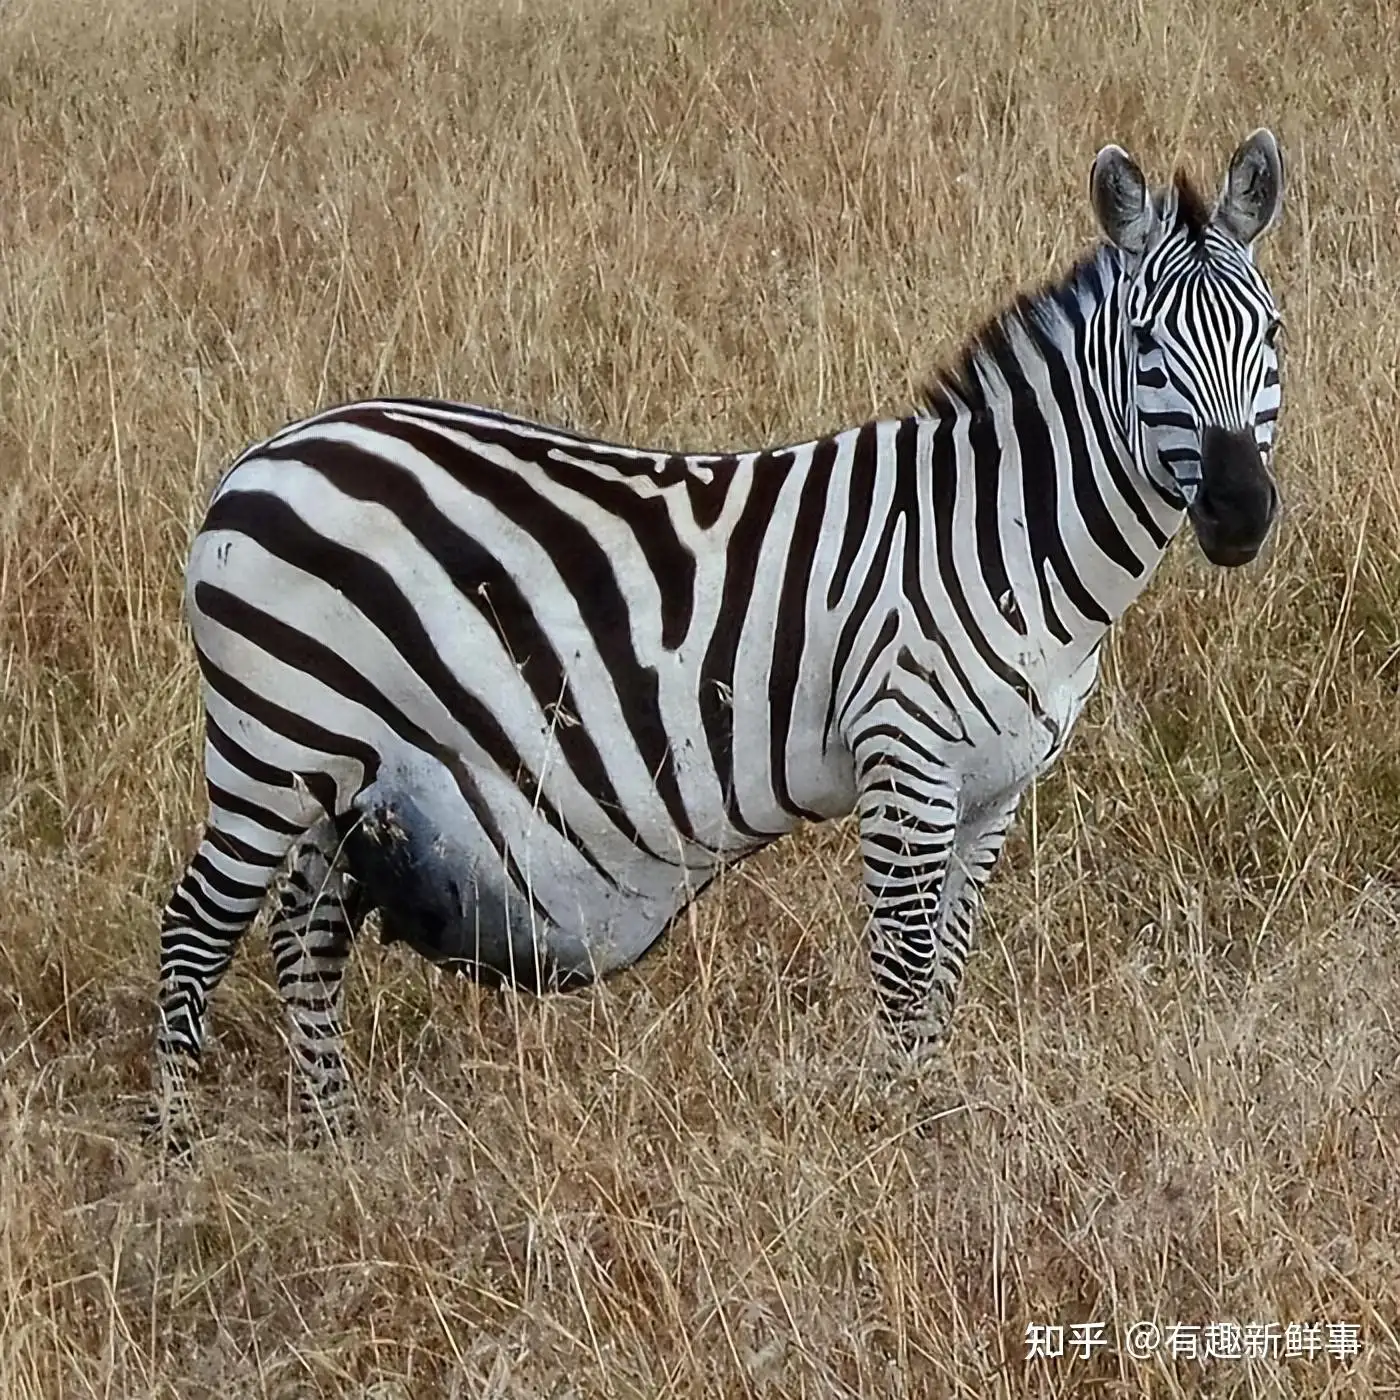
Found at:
[1195, 330]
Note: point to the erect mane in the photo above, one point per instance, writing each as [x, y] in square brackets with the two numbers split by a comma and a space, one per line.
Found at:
[1035, 313]
[1193, 210]
[1031, 314]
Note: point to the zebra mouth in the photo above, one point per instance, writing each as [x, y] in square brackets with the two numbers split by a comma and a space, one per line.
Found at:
[1230, 556]
[1227, 545]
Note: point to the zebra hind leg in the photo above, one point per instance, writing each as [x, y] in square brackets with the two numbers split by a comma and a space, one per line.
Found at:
[318, 912]
[211, 907]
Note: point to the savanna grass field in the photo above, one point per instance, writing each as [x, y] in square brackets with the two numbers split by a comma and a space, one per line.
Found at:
[1171, 1096]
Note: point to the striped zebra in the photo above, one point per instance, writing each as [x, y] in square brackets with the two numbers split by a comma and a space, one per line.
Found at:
[524, 692]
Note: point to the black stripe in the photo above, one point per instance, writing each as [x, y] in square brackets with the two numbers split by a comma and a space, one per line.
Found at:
[986, 478]
[241, 807]
[249, 764]
[944, 492]
[236, 849]
[203, 909]
[856, 616]
[768, 473]
[865, 464]
[893, 763]
[790, 632]
[873, 653]
[707, 498]
[936, 684]
[671, 562]
[896, 738]
[475, 799]
[223, 884]
[1168, 418]
[921, 716]
[1040, 487]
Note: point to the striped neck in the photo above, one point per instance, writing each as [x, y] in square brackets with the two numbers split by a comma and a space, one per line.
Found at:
[1052, 375]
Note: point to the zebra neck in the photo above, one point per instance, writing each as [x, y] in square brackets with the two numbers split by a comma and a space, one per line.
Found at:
[1031, 480]
[1123, 539]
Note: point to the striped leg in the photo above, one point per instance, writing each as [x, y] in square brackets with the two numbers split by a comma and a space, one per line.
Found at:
[980, 837]
[908, 815]
[215, 901]
[317, 916]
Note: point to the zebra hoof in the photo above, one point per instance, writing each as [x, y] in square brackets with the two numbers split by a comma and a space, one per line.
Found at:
[320, 1128]
[913, 1045]
[170, 1136]
[318, 1137]
[926, 1050]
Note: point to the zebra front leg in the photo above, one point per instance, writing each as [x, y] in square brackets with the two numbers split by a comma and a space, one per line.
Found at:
[210, 909]
[981, 833]
[317, 916]
[908, 821]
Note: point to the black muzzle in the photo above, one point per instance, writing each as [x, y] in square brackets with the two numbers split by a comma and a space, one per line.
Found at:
[1235, 506]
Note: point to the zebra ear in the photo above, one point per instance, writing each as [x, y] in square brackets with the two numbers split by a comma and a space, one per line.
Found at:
[1121, 200]
[1252, 193]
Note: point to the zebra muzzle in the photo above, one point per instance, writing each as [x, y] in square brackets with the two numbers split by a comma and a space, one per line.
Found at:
[1235, 506]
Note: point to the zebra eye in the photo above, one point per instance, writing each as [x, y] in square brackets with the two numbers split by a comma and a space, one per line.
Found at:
[1143, 337]
[1271, 333]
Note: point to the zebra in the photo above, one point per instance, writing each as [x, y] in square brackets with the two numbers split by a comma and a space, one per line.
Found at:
[525, 693]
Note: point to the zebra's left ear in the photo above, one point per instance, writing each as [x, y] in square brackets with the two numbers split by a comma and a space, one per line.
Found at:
[1252, 193]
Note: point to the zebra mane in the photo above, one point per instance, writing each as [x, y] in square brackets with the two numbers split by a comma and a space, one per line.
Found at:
[1041, 315]
[1192, 210]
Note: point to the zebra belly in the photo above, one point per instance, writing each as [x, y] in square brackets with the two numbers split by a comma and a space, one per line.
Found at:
[514, 904]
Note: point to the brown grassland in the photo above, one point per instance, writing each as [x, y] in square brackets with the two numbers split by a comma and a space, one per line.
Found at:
[1172, 1091]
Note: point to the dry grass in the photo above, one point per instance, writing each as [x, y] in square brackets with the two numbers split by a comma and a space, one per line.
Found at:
[1173, 1091]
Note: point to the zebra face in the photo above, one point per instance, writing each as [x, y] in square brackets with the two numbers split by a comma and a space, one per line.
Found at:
[1196, 324]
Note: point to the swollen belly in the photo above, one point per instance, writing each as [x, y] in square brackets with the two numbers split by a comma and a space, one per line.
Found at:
[486, 886]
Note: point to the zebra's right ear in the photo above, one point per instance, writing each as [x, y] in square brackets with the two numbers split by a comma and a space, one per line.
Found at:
[1121, 199]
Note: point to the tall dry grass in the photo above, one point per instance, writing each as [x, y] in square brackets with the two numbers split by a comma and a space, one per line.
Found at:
[1172, 1092]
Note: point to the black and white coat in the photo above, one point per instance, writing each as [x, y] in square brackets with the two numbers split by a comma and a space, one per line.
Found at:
[526, 692]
